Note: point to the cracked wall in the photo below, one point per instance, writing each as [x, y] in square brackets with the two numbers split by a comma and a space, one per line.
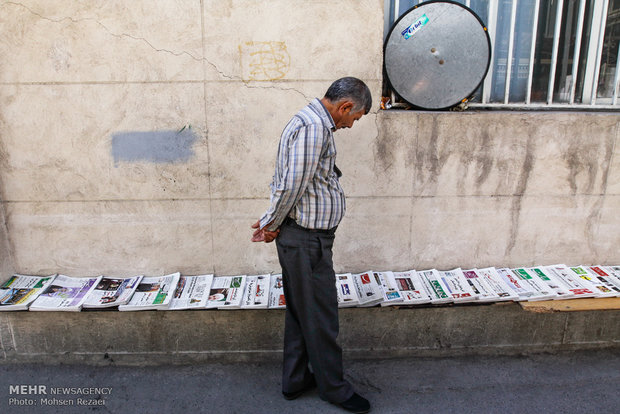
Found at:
[424, 189]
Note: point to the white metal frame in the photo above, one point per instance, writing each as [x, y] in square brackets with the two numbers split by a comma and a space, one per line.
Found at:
[593, 51]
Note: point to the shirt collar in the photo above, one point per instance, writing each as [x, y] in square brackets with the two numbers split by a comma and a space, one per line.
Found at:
[323, 113]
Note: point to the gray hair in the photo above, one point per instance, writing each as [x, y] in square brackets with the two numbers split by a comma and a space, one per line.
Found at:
[352, 89]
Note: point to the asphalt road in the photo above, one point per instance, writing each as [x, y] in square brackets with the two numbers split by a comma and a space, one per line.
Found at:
[575, 382]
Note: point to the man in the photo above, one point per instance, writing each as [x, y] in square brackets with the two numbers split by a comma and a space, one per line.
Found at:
[307, 204]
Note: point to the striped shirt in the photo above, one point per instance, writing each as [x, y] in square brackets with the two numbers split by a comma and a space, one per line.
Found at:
[305, 185]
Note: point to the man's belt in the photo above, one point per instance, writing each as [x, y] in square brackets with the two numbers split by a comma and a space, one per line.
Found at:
[292, 223]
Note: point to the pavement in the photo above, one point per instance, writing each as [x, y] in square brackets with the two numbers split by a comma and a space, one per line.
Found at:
[567, 382]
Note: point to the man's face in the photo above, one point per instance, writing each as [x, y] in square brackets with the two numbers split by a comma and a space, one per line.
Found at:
[348, 118]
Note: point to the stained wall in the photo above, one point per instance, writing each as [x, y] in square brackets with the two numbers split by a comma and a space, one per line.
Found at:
[140, 137]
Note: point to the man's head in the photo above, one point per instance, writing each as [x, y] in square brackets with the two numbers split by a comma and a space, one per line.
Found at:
[347, 99]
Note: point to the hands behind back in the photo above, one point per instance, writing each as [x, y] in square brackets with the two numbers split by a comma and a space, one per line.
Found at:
[263, 235]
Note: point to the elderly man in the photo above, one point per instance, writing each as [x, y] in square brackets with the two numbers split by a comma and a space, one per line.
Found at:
[307, 204]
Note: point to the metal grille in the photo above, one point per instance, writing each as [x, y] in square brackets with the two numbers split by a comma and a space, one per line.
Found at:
[546, 53]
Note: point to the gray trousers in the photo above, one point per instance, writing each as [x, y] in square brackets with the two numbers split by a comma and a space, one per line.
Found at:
[311, 322]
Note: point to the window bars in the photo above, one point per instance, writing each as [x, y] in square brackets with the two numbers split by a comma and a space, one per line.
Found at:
[545, 53]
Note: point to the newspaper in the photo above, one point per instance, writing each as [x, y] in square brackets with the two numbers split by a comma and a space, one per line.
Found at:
[112, 291]
[391, 293]
[607, 279]
[481, 288]
[226, 292]
[276, 293]
[551, 282]
[345, 291]
[497, 283]
[191, 292]
[438, 292]
[153, 293]
[613, 271]
[515, 283]
[65, 294]
[256, 294]
[368, 289]
[20, 291]
[410, 288]
[600, 288]
[457, 285]
[540, 289]
[570, 281]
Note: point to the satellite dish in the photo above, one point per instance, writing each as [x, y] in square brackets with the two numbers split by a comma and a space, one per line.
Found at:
[437, 54]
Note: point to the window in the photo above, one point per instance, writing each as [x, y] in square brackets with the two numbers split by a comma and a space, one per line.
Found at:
[562, 53]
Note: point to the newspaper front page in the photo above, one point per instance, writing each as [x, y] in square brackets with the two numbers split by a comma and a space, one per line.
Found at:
[410, 288]
[65, 294]
[614, 271]
[601, 289]
[480, 287]
[276, 293]
[112, 291]
[438, 292]
[153, 293]
[345, 290]
[191, 292]
[517, 284]
[607, 279]
[20, 291]
[226, 292]
[391, 293]
[457, 285]
[550, 281]
[256, 294]
[368, 289]
[542, 291]
[570, 281]
[495, 282]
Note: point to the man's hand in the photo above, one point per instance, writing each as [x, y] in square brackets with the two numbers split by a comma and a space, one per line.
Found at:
[263, 235]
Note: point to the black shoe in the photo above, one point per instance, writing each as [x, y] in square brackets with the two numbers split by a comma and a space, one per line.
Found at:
[292, 395]
[356, 404]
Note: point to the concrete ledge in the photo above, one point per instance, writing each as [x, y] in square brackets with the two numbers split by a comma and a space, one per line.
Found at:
[153, 338]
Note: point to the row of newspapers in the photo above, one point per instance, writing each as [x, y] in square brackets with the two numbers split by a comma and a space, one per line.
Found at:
[176, 292]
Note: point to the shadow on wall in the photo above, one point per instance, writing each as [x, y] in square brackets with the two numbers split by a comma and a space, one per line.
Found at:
[153, 146]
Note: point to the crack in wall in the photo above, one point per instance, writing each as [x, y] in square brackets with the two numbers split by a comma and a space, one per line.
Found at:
[246, 83]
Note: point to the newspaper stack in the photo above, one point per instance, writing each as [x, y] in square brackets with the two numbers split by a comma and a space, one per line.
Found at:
[226, 292]
[431, 280]
[569, 280]
[519, 285]
[601, 288]
[613, 271]
[541, 289]
[20, 291]
[256, 295]
[550, 281]
[410, 288]
[597, 272]
[368, 289]
[276, 293]
[112, 292]
[65, 294]
[345, 291]
[191, 292]
[153, 293]
[391, 293]
[492, 278]
[481, 288]
[458, 288]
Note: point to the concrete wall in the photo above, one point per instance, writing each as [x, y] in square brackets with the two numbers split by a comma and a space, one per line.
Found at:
[156, 337]
[140, 137]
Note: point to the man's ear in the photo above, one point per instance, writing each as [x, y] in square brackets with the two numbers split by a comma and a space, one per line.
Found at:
[345, 107]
